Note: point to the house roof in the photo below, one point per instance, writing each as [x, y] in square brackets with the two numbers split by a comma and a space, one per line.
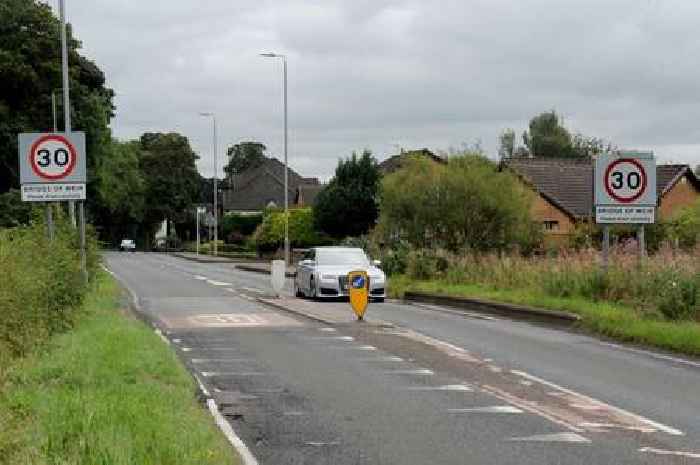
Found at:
[568, 183]
[258, 186]
[395, 162]
[307, 193]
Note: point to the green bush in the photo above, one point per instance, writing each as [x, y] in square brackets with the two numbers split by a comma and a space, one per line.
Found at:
[236, 227]
[269, 236]
[41, 286]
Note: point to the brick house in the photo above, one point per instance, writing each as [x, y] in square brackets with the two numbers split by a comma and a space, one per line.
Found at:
[564, 189]
[396, 162]
[263, 186]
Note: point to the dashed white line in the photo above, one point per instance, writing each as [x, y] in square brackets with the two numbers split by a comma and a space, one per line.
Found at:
[678, 453]
[218, 283]
[446, 387]
[491, 409]
[200, 278]
[321, 444]
[327, 330]
[657, 425]
[390, 358]
[177, 341]
[417, 372]
[556, 437]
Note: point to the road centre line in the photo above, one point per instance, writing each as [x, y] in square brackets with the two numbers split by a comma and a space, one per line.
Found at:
[691, 455]
[390, 358]
[490, 409]
[419, 372]
[446, 387]
[657, 425]
[218, 283]
[200, 278]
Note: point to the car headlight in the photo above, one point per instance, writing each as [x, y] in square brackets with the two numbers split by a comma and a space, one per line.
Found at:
[328, 277]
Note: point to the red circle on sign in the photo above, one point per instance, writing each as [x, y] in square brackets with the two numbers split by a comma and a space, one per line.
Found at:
[642, 173]
[69, 167]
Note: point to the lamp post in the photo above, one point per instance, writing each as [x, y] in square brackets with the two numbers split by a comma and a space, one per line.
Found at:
[286, 168]
[216, 188]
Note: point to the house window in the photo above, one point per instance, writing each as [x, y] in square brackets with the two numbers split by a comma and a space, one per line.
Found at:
[551, 225]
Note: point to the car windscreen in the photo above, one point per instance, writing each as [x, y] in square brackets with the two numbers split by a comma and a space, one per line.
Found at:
[341, 257]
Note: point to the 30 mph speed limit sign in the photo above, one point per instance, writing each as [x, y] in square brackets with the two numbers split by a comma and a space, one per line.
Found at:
[52, 166]
[625, 188]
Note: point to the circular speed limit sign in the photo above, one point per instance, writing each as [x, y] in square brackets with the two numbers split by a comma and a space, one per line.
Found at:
[625, 180]
[52, 157]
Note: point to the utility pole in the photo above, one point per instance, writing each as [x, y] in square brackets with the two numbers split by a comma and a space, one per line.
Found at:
[68, 130]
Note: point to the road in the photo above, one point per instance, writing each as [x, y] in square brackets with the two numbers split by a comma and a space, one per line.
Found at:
[414, 385]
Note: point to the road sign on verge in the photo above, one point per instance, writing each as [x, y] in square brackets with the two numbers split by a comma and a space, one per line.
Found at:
[625, 188]
[52, 166]
[358, 290]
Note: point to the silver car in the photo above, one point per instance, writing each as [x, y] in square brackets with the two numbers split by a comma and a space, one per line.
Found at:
[323, 273]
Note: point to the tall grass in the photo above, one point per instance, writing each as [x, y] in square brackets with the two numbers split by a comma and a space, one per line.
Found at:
[41, 287]
[665, 285]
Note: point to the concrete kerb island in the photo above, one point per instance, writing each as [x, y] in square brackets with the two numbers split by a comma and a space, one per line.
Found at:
[497, 308]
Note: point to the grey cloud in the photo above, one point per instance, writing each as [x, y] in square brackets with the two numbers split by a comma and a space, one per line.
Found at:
[383, 73]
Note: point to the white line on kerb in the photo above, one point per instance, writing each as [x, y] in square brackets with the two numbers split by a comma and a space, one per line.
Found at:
[653, 354]
[692, 455]
[209, 374]
[160, 335]
[225, 427]
[201, 386]
[657, 425]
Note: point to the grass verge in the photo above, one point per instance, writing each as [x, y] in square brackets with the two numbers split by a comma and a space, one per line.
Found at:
[612, 320]
[107, 392]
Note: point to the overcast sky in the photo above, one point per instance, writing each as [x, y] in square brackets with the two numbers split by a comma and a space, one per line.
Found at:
[383, 74]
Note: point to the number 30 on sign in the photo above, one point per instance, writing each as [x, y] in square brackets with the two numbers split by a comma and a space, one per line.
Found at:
[625, 188]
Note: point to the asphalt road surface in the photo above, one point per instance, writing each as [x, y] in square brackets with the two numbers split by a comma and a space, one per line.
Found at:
[413, 385]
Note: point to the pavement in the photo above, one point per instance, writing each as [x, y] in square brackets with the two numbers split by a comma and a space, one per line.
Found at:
[302, 383]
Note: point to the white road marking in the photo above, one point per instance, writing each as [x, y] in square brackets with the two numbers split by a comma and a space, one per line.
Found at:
[491, 409]
[321, 444]
[253, 289]
[200, 278]
[495, 369]
[334, 338]
[418, 372]
[221, 360]
[225, 427]
[601, 427]
[186, 349]
[657, 425]
[209, 374]
[177, 341]
[691, 455]
[293, 414]
[218, 283]
[201, 386]
[556, 437]
[160, 335]
[390, 358]
[447, 387]
[668, 358]
[368, 348]
[327, 330]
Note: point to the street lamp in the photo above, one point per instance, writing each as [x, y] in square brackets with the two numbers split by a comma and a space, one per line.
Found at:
[286, 168]
[216, 188]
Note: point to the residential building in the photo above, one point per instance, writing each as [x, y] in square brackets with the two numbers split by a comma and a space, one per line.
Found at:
[395, 162]
[262, 186]
[564, 189]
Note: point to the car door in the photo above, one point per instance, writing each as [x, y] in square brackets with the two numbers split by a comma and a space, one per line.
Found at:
[306, 269]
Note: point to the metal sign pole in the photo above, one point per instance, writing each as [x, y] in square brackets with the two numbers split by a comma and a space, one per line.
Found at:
[49, 221]
[83, 258]
[197, 230]
[642, 244]
[606, 247]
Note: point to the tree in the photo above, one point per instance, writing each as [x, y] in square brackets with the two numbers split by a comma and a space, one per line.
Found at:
[30, 70]
[244, 155]
[121, 190]
[172, 181]
[506, 144]
[464, 205]
[587, 147]
[347, 206]
[547, 137]
[269, 235]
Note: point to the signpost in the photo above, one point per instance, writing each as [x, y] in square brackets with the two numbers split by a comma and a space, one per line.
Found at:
[358, 291]
[52, 166]
[624, 193]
